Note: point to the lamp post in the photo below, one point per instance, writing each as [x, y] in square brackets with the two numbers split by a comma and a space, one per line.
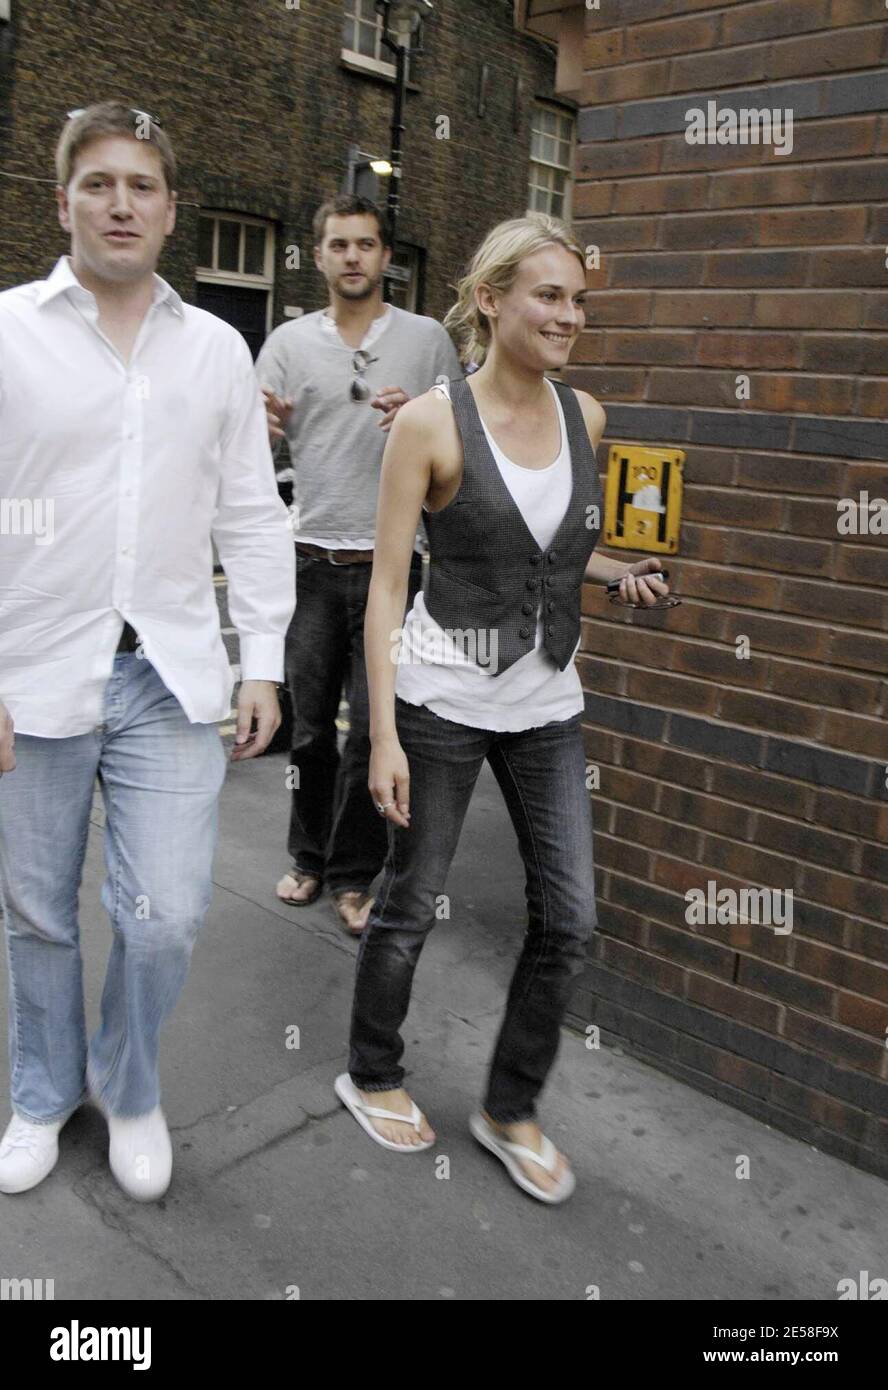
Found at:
[400, 22]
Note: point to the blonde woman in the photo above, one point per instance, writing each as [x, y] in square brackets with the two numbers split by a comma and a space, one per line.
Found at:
[502, 467]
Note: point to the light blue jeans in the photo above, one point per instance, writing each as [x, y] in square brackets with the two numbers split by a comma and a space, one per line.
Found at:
[160, 778]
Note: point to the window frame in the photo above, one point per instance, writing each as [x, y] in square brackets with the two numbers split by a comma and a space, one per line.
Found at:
[414, 254]
[213, 275]
[566, 169]
[352, 58]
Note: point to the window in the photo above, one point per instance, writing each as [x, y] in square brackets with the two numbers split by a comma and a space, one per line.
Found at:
[362, 46]
[362, 30]
[235, 272]
[551, 161]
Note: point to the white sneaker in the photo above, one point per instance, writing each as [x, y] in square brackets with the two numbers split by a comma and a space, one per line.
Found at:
[28, 1152]
[140, 1154]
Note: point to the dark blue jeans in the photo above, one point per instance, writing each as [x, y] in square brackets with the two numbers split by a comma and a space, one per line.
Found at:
[335, 833]
[541, 773]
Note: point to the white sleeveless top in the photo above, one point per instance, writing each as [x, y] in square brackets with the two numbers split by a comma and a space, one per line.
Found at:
[435, 672]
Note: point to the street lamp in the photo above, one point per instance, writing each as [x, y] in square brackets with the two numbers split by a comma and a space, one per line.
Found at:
[400, 22]
[359, 161]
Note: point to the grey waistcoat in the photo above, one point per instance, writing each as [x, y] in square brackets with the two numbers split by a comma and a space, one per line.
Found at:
[486, 569]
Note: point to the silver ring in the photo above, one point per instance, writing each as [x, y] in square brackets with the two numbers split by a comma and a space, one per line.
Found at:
[382, 808]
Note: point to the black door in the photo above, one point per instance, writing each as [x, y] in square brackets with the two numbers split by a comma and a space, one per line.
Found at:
[244, 308]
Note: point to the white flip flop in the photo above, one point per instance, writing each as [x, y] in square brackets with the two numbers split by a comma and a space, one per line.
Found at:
[508, 1153]
[350, 1096]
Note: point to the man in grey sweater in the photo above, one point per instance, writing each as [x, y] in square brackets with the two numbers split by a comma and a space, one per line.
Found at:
[327, 380]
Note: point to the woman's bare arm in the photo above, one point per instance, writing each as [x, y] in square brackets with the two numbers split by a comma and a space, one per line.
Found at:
[7, 741]
[403, 485]
[601, 569]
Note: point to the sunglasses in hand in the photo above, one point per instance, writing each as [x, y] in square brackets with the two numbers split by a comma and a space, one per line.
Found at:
[663, 601]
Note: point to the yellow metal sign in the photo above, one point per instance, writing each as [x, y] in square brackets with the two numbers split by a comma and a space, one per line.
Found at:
[643, 497]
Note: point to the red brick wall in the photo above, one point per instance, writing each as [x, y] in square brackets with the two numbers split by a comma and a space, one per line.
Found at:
[768, 771]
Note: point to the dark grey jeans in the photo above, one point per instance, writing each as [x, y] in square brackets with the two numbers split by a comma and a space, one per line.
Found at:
[335, 833]
[541, 773]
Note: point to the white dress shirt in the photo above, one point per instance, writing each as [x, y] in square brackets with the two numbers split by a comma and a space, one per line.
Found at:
[115, 478]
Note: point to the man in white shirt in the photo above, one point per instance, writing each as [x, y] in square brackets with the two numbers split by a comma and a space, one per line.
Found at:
[132, 436]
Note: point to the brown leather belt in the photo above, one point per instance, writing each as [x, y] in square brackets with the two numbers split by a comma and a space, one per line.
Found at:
[336, 557]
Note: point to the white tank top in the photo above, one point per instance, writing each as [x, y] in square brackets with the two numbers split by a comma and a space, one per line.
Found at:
[435, 672]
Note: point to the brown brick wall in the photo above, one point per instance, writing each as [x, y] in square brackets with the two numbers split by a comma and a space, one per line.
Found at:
[261, 113]
[768, 771]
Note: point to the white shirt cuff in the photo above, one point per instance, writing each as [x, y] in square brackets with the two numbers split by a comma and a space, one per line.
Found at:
[261, 657]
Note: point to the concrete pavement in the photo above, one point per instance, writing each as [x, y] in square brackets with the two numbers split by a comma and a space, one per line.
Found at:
[277, 1193]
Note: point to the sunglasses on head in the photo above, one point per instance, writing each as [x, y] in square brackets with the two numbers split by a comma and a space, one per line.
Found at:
[137, 111]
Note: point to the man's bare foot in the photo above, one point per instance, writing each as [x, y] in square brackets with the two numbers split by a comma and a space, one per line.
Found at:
[393, 1130]
[353, 909]
[297, 887]
[529, 1134]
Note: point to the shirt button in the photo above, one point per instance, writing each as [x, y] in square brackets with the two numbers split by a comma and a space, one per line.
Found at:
[125, 550]
[527, 608]
[524, 632]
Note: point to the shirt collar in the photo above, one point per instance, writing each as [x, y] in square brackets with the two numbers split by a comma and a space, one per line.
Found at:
[62, 280]
[374, 329]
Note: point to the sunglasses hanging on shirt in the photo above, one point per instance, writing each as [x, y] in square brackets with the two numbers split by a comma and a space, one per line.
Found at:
[359, 390]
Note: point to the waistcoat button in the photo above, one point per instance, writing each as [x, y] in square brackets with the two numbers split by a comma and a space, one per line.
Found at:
[550, 629]
[550, 606]
[524, 632]
[552, 557]
[535, 559]
[530, 583]
[528, 607]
